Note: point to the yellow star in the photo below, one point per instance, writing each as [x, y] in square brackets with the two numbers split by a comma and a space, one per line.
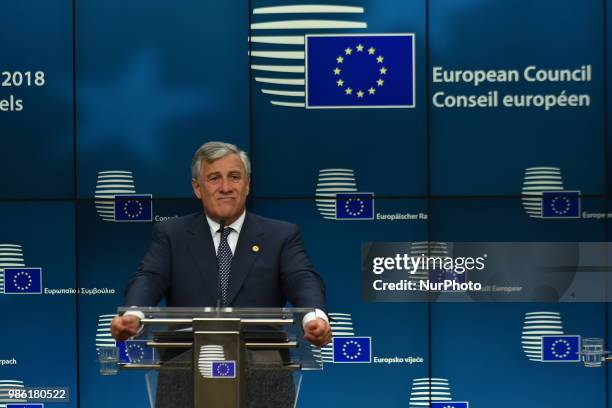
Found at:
[383, 71]
[340, 82]
[337, 71]
[360, 48]
[348, 91]
[340, 60]
[380, 59]
[348, 51]
[380, 82]
[371, 50]
[360, 94]
[371, 91]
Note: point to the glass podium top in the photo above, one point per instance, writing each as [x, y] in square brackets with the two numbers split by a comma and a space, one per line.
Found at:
[205, 312]
[262, 329]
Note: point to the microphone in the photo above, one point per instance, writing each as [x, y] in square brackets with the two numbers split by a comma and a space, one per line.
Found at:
[219, 293]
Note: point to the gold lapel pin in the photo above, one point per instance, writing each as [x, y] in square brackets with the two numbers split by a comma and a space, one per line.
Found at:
[255, 248]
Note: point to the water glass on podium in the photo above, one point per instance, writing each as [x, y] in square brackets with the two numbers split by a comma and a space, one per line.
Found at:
[108, 360]
[592, 352]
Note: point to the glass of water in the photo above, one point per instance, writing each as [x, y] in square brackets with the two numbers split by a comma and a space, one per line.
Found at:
[108, 360]
[592, 352]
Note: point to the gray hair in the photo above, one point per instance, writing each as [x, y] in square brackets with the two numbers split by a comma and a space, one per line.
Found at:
[212, 151]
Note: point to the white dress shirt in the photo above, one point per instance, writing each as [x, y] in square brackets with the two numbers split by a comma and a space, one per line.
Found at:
[232, 238]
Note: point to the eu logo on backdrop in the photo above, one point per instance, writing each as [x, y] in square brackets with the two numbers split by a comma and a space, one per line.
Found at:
[561, 204]
[133, 207]
[450, 404]
[360, 71]
[354, 206]
[565, 348]
[22, 281]
[352, 349]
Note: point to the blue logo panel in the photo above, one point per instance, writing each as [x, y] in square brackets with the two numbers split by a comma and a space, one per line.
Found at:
[561, 348]
[224, 369]
[355, 206]
[561, 204]
[25, 405]
[22, 281]
[352, 349]
[360, 71]
[450, 404]
[134, 207]
[135, 352]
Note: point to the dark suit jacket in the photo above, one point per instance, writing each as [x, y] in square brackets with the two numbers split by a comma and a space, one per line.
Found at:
[181, 266]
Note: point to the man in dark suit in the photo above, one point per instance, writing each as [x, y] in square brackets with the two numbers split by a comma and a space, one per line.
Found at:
[226, 254]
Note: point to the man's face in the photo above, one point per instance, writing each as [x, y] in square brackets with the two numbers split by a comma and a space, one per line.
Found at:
[222, 186]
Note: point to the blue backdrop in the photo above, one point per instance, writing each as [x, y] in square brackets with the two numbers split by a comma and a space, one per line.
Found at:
[135, 87]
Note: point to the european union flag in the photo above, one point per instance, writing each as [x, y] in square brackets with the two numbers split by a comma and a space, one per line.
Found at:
[135, 352]
[450, 404]
[132, 207]
[360, 71]
[352, 349]
[561, 204]
[355, 206]
[561, 348]
[22, 280]
[224, 369]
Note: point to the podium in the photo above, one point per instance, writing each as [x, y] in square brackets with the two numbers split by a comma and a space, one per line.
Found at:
[234, 357]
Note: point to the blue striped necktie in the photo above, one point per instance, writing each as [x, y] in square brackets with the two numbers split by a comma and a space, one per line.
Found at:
[224, 259]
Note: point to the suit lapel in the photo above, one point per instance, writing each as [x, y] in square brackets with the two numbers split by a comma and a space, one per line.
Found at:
[203, 251]
[244, 255]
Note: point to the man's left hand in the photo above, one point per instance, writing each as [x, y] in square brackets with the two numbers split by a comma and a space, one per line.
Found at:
[317, 332]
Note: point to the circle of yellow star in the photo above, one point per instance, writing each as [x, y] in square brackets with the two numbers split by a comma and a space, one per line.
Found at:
[337, 71]
[360, 94]
[340, 82]
[380, 59]
[348, 91]
[380, 82]
[371, 91]
[371, 50]
[360, 48]
[348, 51]
[383, 71]
[340, 60]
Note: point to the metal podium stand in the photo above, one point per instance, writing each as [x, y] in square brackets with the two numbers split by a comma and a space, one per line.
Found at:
[219, 349]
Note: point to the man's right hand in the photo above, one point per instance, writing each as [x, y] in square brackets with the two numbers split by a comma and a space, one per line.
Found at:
[124, 327]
